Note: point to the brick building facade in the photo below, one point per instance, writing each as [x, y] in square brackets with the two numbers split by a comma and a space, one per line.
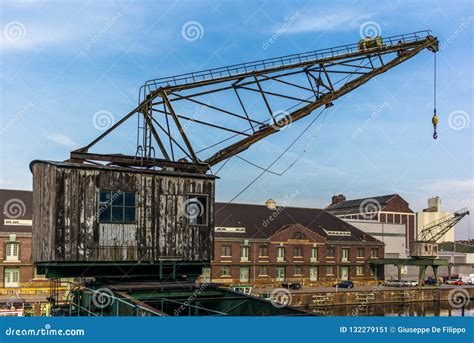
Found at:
[268, 245]
[21, 289]
[390, 209]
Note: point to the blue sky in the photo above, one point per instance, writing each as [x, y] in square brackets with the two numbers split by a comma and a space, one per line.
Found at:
[61, 63]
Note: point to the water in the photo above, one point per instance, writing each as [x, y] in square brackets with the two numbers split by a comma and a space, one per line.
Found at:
[415, 309]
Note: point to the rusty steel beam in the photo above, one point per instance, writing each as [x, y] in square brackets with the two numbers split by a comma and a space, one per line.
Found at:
[133, 161]
[306, 110]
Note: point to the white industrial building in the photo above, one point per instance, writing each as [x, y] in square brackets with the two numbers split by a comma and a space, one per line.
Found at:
[431, 214]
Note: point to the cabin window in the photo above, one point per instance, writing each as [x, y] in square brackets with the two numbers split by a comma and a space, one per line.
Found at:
[117, 207]
[196, 208]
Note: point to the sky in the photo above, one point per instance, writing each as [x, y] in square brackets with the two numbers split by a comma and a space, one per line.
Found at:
[65, 64]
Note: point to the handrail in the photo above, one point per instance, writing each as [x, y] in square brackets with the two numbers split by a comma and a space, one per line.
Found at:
[120, 300]
[265, 64]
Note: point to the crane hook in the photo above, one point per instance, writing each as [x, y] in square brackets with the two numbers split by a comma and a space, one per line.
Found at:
[434, 120]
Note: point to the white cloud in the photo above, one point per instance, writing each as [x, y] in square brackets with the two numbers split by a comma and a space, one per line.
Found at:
[63, 140]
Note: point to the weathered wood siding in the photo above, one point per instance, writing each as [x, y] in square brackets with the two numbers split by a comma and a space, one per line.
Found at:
[65, 216]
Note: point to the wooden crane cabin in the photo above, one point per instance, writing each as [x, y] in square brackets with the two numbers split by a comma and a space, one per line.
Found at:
[91, 220]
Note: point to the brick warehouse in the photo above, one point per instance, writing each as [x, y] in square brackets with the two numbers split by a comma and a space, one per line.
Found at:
[390, 208]
[267, 245]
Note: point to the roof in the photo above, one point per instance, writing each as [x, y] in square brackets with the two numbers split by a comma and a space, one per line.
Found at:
[456, 247]
[354, 206]
[17, 210]
[262, 222]
[88, 166]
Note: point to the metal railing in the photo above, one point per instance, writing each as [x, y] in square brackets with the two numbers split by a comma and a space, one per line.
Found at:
[85, 305]
[272, 63]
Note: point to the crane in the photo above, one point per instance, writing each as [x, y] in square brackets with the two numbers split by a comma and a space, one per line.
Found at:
[426, 243]
[241, 104]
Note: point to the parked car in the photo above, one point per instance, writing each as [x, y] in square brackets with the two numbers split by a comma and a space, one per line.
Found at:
[294, 285]
[393, 283]
[467, 280]
[344, 284]
[454, 282]
[414, 283]
[430, 282]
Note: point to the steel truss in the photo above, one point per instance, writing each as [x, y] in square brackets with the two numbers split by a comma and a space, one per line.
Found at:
[261, 98]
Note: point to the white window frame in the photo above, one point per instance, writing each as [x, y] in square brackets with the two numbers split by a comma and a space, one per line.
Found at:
[280, 276]
[244, 253]
[10, 251]
[358, 268]
[248, 274]
[313, 276]
[9, 277]
[343, 252]
[314, 254]
[280, 254]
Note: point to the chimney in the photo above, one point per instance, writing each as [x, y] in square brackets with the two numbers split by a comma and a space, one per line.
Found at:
[338, 199]
[435, 203]
[271, 204]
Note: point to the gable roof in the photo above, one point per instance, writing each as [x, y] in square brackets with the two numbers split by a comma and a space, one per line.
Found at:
[262, 222]
[353, 206]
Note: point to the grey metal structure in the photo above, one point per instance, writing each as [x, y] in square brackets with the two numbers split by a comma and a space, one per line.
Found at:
[259, 99]
[426, 245]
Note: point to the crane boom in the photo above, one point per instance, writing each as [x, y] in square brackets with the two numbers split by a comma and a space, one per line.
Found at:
[433, 231]
[241, 104]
